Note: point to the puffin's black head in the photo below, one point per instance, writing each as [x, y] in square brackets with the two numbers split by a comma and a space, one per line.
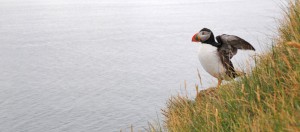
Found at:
[205, 35]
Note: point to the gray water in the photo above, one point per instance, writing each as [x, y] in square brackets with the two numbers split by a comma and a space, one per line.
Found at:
[102, 65]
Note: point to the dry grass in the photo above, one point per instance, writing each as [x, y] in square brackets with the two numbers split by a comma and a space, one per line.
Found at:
[266, 100]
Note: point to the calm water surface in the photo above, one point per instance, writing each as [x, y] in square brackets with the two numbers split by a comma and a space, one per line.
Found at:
[101, 65]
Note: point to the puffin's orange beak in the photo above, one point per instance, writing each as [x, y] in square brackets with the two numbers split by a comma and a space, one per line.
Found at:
[196, 38]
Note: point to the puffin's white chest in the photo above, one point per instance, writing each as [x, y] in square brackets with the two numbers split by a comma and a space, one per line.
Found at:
[210, 60]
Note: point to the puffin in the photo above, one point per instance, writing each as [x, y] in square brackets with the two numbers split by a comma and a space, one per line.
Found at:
[215, 56]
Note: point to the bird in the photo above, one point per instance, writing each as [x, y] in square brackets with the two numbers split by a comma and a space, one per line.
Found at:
[215, 56]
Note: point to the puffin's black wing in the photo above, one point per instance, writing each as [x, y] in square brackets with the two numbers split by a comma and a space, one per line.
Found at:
[225, 56]
[235, 42]
[229, 46]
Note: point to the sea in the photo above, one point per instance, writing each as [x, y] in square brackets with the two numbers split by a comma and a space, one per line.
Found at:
[107, 65]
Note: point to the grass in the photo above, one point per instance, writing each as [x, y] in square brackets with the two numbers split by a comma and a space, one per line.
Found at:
[266, 100]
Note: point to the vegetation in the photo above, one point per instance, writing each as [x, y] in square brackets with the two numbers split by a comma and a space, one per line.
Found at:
[266, 100]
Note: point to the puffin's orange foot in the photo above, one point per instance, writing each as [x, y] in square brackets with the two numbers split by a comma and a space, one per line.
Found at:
[219, 83]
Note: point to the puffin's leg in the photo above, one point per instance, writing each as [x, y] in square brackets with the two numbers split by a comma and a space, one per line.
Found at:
[219, 82]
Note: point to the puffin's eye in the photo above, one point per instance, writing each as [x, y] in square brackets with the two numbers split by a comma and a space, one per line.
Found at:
[203, 33]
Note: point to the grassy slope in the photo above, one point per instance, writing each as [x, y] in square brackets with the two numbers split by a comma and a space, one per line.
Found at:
[266, 100]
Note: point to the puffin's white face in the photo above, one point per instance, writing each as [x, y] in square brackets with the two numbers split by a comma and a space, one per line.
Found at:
[202, 36]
